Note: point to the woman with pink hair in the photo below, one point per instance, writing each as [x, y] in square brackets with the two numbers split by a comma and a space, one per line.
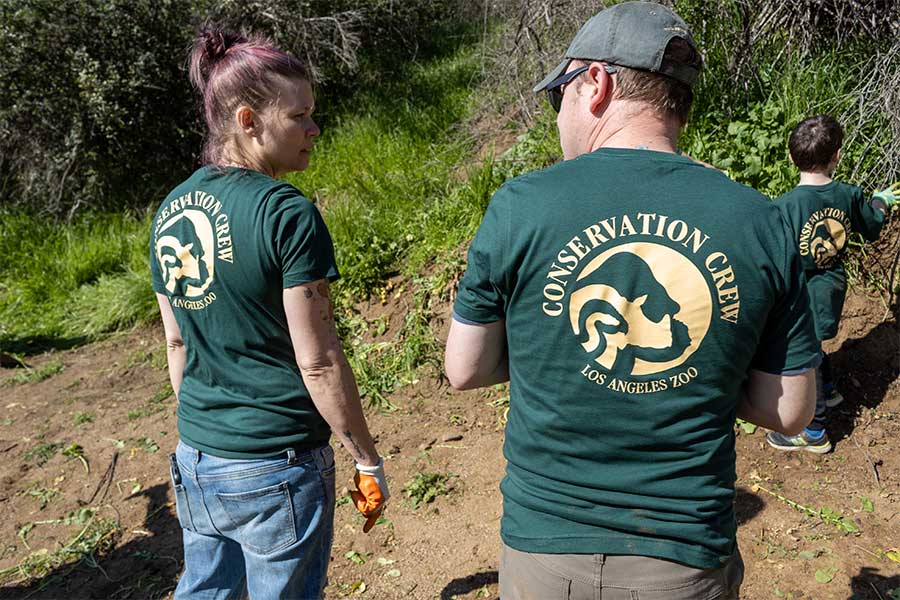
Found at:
[254, 357]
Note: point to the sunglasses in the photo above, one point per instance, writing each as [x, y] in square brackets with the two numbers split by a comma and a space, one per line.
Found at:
[555, 87]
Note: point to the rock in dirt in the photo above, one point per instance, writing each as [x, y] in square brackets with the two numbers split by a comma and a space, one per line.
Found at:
[451, 437]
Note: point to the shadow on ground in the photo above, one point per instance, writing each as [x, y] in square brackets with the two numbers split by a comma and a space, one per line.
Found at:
[464, 585]
[146, 567]
[870, 361]
[870, 584]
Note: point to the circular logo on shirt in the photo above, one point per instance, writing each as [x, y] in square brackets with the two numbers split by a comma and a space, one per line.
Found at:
[824, 235]
[828, 238]
[185, 249]
[652, 322]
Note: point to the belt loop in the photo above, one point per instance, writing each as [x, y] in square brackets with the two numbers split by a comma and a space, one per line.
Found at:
[292, 456]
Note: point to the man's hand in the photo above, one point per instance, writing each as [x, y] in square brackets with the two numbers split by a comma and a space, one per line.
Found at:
[371, 493]
[890, 195]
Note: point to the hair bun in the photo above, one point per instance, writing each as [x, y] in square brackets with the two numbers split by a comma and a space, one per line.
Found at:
[210, 47]
[217, 42]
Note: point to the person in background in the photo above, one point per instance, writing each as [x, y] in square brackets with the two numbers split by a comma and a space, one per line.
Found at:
[241, 265]
[822, 214]
[637, 302]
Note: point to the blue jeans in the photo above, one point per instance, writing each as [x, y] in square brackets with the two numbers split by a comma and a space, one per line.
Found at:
[260, 526]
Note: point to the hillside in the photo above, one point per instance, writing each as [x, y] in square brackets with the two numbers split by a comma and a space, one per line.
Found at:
[813, 527]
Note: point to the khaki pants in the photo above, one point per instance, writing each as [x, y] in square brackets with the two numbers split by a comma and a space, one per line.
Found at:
[530, 576]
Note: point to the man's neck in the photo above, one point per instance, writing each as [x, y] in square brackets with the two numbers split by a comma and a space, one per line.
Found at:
[814, 178]
[633, 125]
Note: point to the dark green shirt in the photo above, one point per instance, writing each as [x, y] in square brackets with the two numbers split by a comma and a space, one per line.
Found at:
[822, 218]
[225, 244]
[638, 288]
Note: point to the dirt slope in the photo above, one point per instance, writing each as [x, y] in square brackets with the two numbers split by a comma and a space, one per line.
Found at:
[110, 399]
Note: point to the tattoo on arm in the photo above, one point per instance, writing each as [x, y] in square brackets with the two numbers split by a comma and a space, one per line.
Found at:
[307, 293]
[356, 447]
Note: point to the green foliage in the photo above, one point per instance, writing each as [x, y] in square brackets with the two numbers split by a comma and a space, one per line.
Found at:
[97, 108]
[43, 452]
[154, 405]
[82, 418]
[96, 537]
[74, 281]
[35, 375]
[384, 176]
[425, 487]
[43, 495]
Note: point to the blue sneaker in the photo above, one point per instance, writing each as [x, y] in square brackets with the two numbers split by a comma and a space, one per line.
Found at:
[801, 441]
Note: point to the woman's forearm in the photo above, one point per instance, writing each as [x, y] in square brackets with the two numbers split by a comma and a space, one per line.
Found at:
[333, 390]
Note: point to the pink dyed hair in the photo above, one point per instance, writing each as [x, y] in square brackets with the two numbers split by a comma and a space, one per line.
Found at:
[229, 70]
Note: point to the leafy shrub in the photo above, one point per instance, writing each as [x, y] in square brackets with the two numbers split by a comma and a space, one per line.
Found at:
[97, 112]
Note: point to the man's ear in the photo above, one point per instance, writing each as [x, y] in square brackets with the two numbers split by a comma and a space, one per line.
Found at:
[247, 120]
[601, 84]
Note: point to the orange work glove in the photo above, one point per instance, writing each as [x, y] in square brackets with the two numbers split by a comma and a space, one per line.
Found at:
[371, 493]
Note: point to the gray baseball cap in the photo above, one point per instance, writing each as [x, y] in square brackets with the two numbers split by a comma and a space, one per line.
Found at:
[631, 34]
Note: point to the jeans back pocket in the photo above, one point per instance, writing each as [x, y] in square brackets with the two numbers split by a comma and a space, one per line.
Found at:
[263, 517]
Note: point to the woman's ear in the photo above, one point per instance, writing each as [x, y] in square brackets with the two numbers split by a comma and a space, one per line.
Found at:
[247, 120]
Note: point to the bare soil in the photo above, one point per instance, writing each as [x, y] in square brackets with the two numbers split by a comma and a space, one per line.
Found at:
[446, 548]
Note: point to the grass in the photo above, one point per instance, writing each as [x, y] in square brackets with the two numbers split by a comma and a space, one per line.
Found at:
[72, 282]
[35, 375]
[383, 177]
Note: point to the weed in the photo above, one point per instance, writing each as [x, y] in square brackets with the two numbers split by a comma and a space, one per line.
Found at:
[76, 451]
[35, 375]
[153, 405]
[43, 495]
[43, 452]
[356, 557]
[867, 504]
[96, 537]
[828, 515]
[425, 487]
[83, 418]
[746, 426]
[148, 445]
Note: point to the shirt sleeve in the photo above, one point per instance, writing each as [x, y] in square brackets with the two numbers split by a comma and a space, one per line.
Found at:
[300, 240]
[865, 218]
[484, 290]
[788, 344]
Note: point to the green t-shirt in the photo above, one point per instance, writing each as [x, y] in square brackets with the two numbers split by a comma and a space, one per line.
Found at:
[821, 218]
[638, 288]
[224, 245]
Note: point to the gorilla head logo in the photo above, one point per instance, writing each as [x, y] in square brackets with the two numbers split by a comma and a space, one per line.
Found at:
[185, 254]
[828, 238]
[640, 308]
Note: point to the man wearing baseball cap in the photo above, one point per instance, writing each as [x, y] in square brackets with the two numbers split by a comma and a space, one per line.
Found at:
[637, 302]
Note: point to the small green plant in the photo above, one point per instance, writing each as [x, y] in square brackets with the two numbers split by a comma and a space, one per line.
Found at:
[153, 405]
[867, 504]
[76, 451]
[96, 537]
[356, 557]
[83, 418]
[43, 452]
[35, 375]
[43, 495]
[746, 426]
[828, 515]
[148, 445]
[425, 487]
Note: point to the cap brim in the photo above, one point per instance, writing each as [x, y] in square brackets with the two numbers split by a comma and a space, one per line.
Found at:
[553, 75]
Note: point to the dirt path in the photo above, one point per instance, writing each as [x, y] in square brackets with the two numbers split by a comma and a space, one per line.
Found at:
[111, 400]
